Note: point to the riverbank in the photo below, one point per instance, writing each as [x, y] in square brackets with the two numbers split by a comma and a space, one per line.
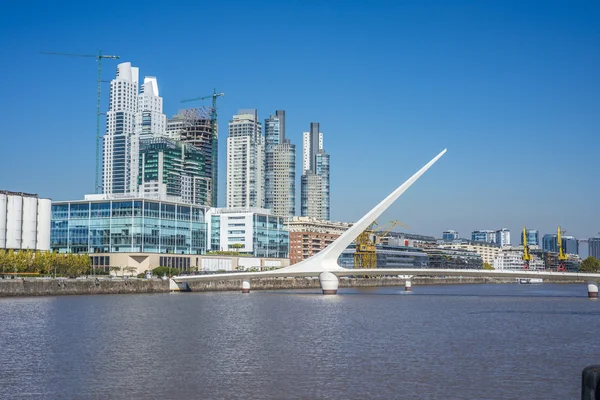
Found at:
[59, 287]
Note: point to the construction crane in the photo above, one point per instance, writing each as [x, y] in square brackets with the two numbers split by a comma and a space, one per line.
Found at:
[213, 128]
[562, 257]
[526, 253]
[99, 57]
[365, 255]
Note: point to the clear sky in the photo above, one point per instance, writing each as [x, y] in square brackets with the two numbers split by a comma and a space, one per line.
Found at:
[511, 88]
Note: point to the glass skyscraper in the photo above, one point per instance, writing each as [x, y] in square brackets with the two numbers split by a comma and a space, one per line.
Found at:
[594, 247]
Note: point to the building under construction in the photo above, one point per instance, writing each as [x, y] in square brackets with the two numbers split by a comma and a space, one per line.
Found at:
[193, 126]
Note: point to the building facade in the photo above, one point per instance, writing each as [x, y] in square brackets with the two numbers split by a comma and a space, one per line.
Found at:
[389, 256]
[193, 127]
[550, 243]
[245, 161]
[174, 170]
[252, 231]
[24, 221]
[533, 237]
[128, 225]
[120, 126]
[487, 251]
[449, 235]
[446, 258]
[315, 182]
[570, 245]
[502, 237]
[309, 235]
[280, 167]
[483, 236]
[594, 247]
[511, 258]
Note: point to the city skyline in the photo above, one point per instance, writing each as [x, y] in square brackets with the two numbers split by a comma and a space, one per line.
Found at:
[498, 85]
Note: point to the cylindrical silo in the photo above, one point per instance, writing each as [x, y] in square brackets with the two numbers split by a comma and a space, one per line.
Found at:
[29, 224]
[14, 221]
[3, 199]
[43, 224]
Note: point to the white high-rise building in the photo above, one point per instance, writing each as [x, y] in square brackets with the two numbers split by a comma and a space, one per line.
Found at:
[150, 122]
[245, 161]
[315, 182]
[503, 237]
[306, 149]
[120, 125]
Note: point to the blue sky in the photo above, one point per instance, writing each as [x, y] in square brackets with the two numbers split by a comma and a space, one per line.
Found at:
[511, 88]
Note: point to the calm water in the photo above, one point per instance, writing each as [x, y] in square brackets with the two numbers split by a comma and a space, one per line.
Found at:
[439, 342]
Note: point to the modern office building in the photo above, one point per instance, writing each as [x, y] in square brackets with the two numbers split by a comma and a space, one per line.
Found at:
[570, 245]
[594, 247]
[245, 161]
[193, 126]
[280, 167]
[150, 122]
[549, 243]
[453, 258]
[315, 181]
[309, 235]
[533, 237]
[24, 221]
[449, 235]
[484, 236]
[170, 169]
[127, 225]
[389, 256]
[253, 231]
[502, 237]
[120, 126]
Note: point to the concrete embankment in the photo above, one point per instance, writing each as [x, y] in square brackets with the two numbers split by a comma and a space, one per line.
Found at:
[57, 287]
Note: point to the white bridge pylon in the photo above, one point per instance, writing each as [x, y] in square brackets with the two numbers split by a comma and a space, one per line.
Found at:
[324, 264]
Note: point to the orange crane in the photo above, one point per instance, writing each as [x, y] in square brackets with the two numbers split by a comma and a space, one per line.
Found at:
[526, 254]
[562, 257]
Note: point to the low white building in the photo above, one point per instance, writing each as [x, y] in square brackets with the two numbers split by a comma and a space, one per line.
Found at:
[24, 221]
[511, 258]
[487, 251]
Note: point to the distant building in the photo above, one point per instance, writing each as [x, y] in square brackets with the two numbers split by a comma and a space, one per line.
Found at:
[309, 235]
[533, 237]
[483, 236]
[449, 235]
[511, 258]
[172, 169]
[253, 231]
[245, 161]
[502, 237]
[193, 127]
[594, 247]
[487, 251]
[550, 243]
[389, 256]
[280, 167]
[446, 258]
[570, 245]
[24, 221]
[315, 180]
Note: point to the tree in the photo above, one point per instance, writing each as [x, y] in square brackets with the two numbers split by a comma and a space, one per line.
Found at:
[488, 267]
[130, 270]
[590, 264]
[160, 271]
[114, 269]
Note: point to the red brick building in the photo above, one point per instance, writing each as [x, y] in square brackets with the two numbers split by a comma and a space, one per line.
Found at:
[309, 235]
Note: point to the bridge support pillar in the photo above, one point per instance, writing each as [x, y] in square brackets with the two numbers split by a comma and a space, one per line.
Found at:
[329, 282]
[593, 290]
[408, 286]
[246, 285]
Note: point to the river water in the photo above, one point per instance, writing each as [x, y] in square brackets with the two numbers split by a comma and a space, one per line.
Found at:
[439, 342]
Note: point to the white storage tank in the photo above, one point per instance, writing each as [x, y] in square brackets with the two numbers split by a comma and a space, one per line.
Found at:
[3, 200]
[29, 223]
[14, 221]
[43, 224]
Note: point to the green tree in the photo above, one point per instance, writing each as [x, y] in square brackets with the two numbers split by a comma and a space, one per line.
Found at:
[130, 270]
[488, 267]
[160, 271]
[114, 269]
[590, 264]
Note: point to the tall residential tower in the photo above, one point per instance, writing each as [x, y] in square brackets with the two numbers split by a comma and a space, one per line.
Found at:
[245, 161]
[280, 167]
[314, 184]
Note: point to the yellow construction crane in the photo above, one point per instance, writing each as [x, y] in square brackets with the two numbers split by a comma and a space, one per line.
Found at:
[365, 255]
[526, 253]
[562, 257]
